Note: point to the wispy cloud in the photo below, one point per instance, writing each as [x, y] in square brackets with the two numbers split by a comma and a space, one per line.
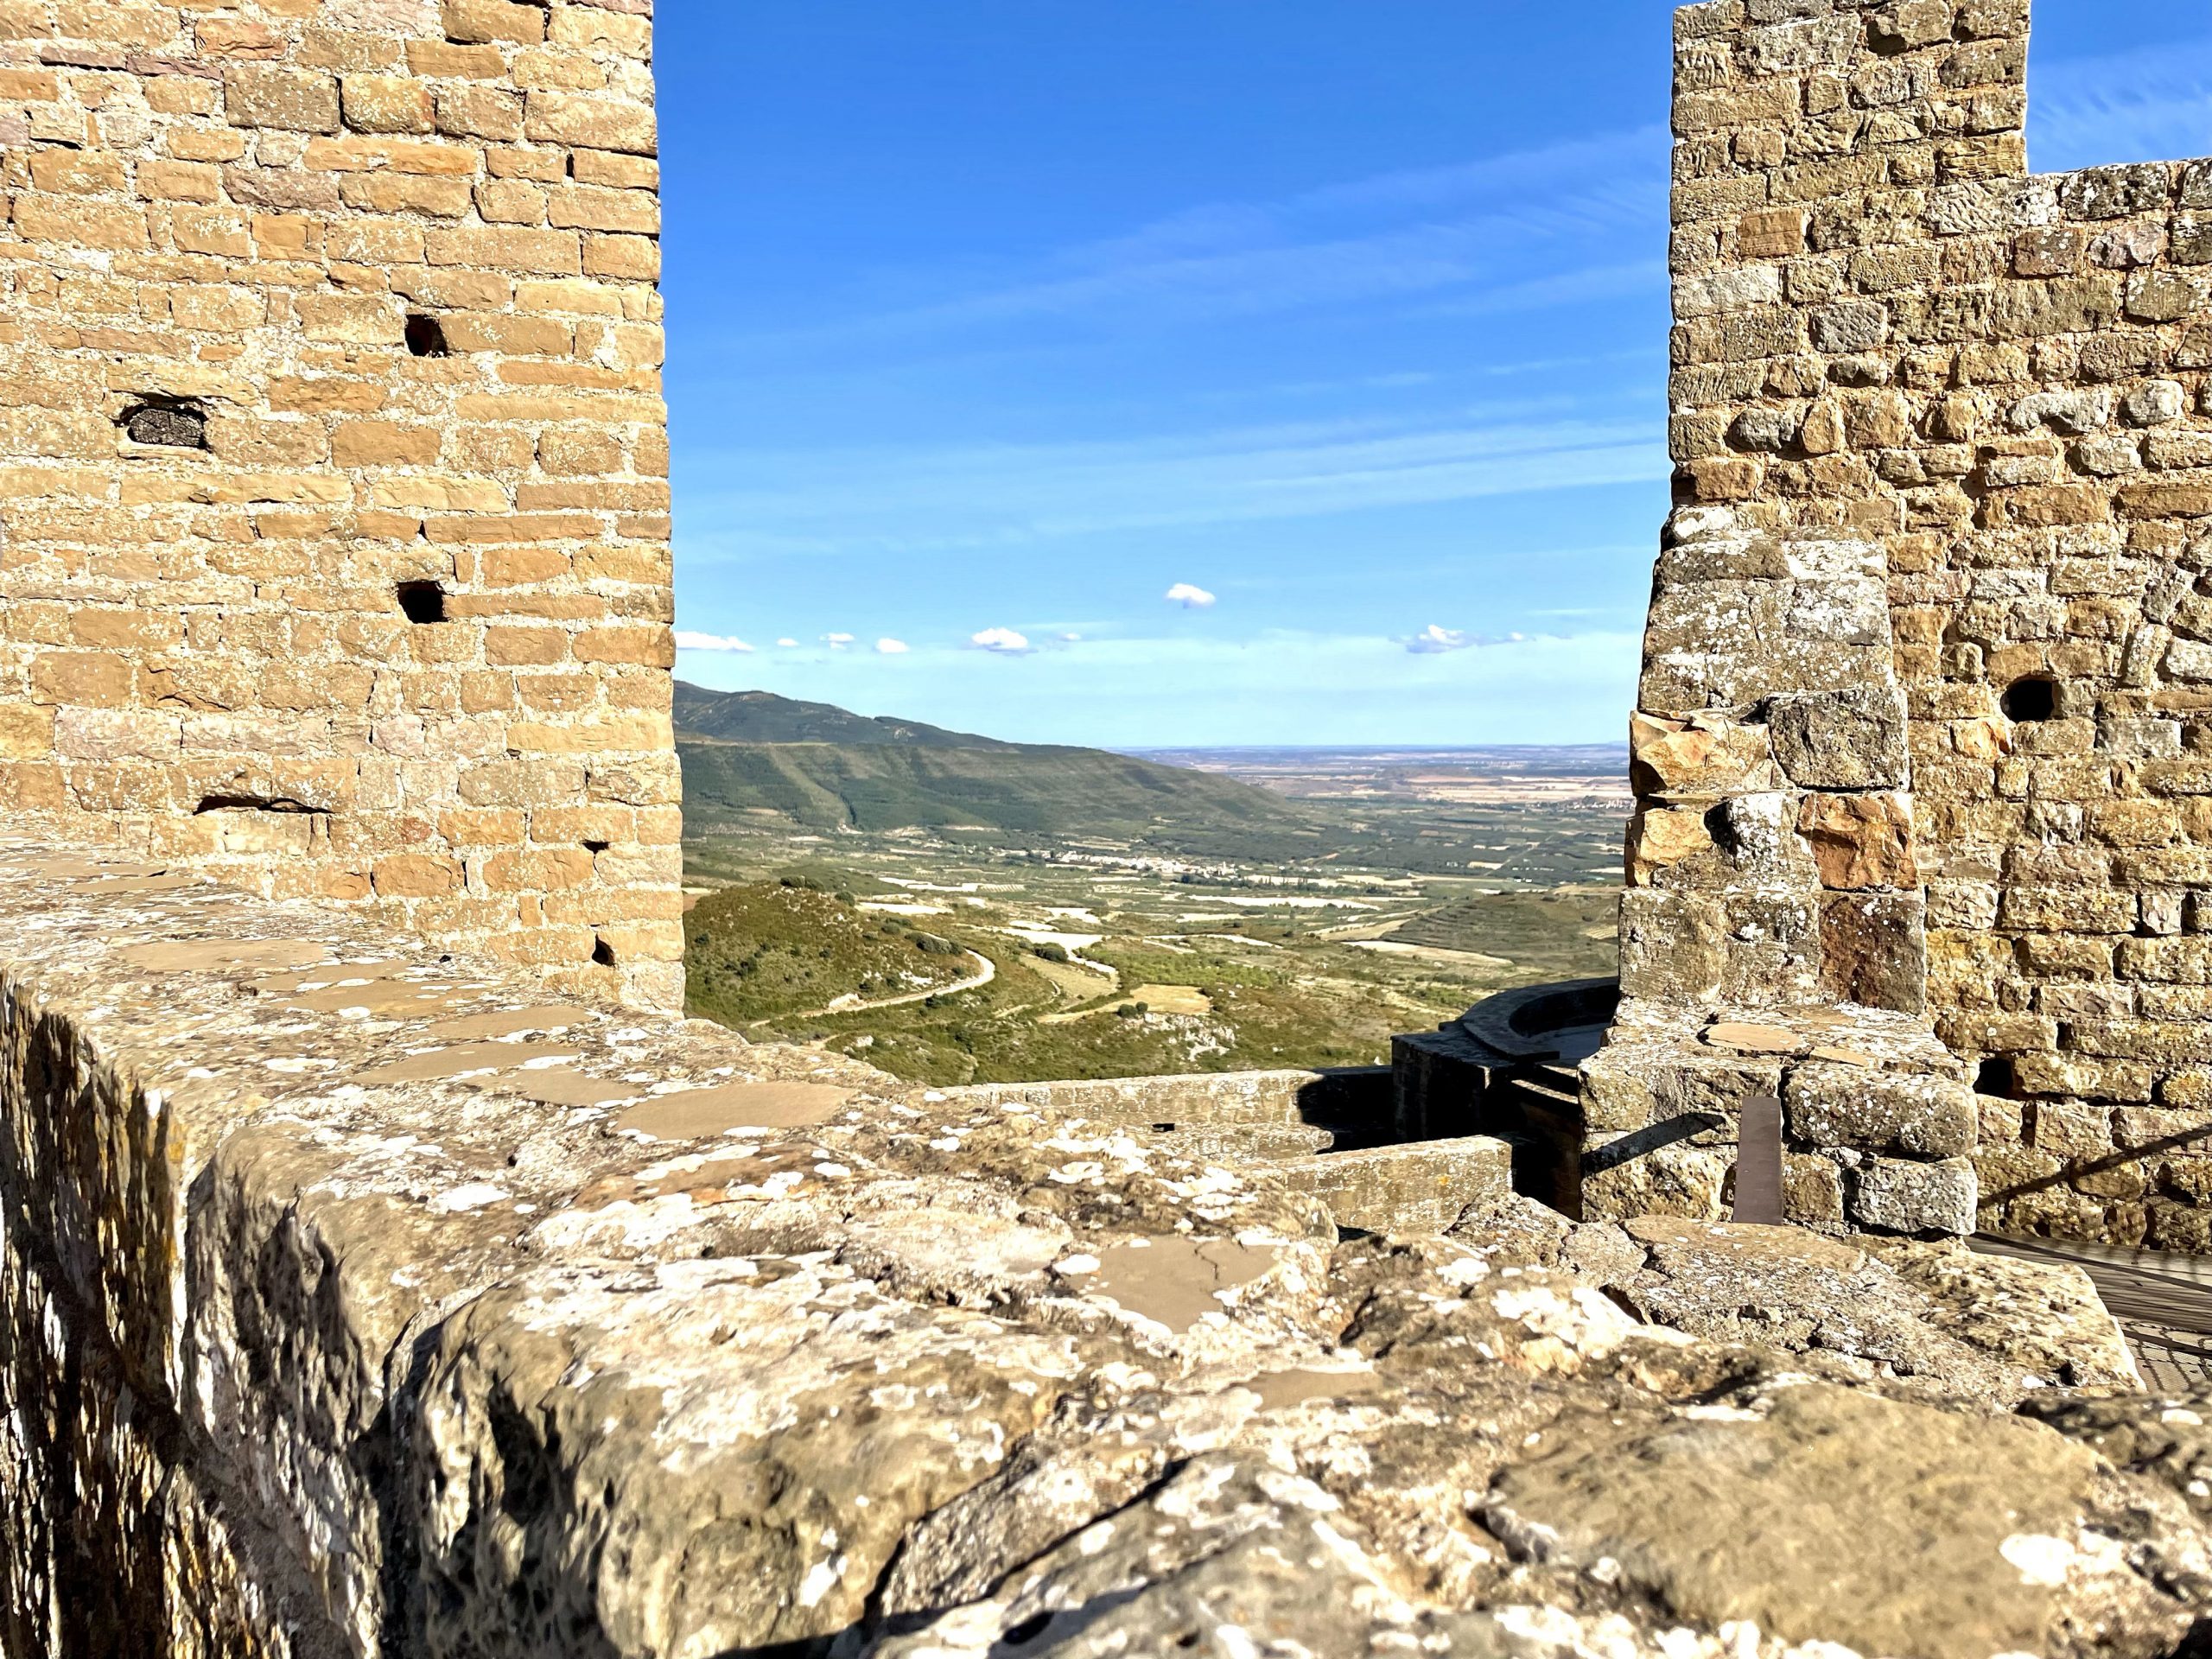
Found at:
[686, 640]
[2153, 103]
[930, 498]
[1492, 224]
[1279, 686]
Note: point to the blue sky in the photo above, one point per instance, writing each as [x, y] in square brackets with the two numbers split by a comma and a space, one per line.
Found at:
[996, 323]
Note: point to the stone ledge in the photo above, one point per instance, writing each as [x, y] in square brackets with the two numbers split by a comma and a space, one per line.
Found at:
[438, 1319]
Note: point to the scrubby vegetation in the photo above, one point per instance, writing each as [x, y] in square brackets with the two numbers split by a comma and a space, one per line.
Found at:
[777, 949]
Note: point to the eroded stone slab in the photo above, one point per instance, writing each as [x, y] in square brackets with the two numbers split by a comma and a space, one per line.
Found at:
[695, 1114]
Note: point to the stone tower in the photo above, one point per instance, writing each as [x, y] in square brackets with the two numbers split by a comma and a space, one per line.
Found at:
[335, 500]
[1925, 742]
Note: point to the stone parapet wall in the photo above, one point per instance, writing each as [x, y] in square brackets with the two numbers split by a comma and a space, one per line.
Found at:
[1889, 335]
[334, 462]
[358, 1300]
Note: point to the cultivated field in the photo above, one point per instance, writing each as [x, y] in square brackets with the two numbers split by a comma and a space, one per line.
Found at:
[1418, 887]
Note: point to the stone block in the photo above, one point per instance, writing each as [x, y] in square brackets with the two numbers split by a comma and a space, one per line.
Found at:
[1873, 950]
[1838, 1105]
[1860, 841]
[1852, 740]
[278, 96]
[1671, 945]
[1621, 1178]
[1891, 1195]
[1420, 1188]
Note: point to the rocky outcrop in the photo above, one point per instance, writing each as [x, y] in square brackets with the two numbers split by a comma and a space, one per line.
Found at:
[361, 1302]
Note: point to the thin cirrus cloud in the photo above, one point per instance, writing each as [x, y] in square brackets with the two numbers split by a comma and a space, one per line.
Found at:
[686, 640]
[932, 497]
[1434, 640]
[1190, 596]
[2124, 106]
[1392, 235]
[1004, 641]
[1342, 688]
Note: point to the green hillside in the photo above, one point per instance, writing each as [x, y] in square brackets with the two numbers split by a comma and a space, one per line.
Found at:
[771, 949]
[764, 717]
[747, 754]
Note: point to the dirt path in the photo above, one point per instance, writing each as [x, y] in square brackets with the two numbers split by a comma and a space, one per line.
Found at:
[975, 982]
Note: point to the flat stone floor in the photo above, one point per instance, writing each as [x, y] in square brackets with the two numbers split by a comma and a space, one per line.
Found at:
[2163, 1302]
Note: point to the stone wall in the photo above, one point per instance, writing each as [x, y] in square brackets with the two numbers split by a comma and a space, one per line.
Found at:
[334, 465]
[358, 1302]
[1930, 672]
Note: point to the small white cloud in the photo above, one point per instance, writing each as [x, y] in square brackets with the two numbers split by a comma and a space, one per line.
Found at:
[1005, 641]
[1071, 639]
[1432, 639]
[686, 641]
[788, 645]
[836, 641]
[1190, 596]
[892, 647]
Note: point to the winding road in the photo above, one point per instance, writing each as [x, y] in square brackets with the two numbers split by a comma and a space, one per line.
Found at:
[841, 1005]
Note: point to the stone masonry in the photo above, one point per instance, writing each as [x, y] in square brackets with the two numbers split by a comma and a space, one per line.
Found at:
[363, 1298]
[334, 496]
[1924, 738]
[358, 1301]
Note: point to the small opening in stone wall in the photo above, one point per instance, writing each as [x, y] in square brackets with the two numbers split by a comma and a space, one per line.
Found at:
[602, 953]
[423, 602]
[167, 421]
[1994, 1078]
[253, 804]
[596, 846]
[426, 336]
[2032, 699]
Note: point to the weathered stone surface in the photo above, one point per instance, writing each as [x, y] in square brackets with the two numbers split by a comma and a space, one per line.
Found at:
[1860, 841]
[1939, 429]
[1832, 1104]
[1846, 740]
[1965, 1538]
[339, 462]
[467, 1361]
[1103, 1536]
[1935, 1318]
[1420, 1188]
[1891, 1195]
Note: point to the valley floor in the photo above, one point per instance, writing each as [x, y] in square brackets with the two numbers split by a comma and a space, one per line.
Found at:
[1112, 958]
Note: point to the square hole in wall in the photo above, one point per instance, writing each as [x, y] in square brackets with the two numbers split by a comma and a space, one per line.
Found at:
[423, 602]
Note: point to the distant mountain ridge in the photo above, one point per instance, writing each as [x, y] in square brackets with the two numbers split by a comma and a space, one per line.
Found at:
[751, 754]
[764, 717]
